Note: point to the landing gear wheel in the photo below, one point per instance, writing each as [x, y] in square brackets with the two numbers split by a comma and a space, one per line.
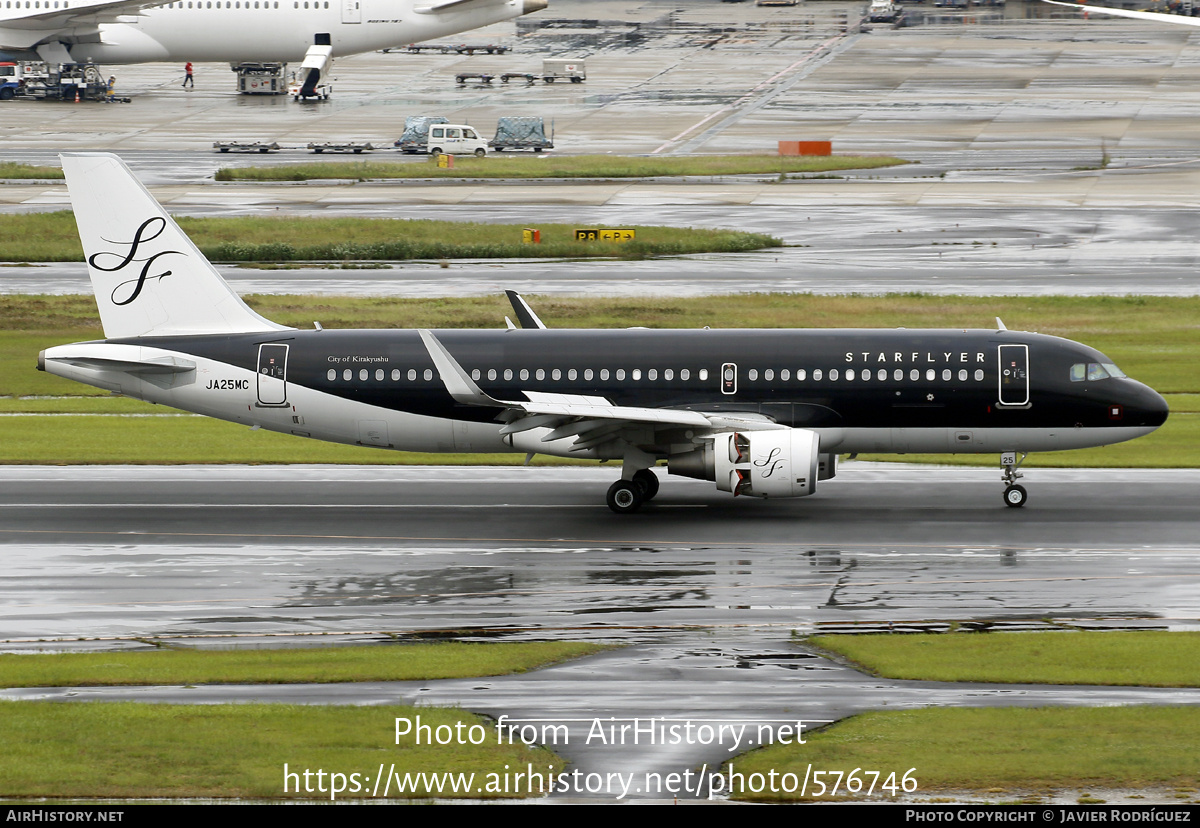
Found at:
[1015, 496]
[648, 482]
[624, 497]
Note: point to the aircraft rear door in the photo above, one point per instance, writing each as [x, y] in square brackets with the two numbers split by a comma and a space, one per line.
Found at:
[1014, 375]
[272, 374]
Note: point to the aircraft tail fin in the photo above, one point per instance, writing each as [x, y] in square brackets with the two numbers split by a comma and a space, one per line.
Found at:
[148, 277]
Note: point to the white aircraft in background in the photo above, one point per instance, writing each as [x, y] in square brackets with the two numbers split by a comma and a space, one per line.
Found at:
[235, 31]
[1137, 15]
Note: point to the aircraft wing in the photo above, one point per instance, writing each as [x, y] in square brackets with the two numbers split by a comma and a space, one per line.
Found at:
[590, 420]
[449, 6]
[1137, 15]
[81, 15]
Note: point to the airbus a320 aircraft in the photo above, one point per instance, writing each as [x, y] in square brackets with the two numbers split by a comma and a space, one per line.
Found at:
[237, 31]
[759, 412]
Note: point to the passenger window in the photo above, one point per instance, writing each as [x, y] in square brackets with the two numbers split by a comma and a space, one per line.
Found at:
[637, 374]
[491, 373]
[428, 375]
[347, 374]
[412, 374]
[801, 375]
[396, 374]
[817, 375]
[833, 375]
[331, 374]
[850, 374]
[930, 375]
[572, 374]
[685, 374]
[752, 374]
[946, 375]
[668, 375]
[866, 375]
[603, 373]
[379, 375]
[962, 375]
[508, 373]
[703, 375]
[768, 375]
[541, 374]
[556, 375]
[588, 374]
[620, 373]
[914, 374]
[785, 375]
[362, 375]
[979, 375]
[475, 374]
[881, 374]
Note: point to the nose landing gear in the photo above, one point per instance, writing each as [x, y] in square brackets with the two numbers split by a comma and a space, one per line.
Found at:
[1014, 495]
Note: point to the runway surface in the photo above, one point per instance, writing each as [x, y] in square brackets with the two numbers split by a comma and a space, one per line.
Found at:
[706, 591]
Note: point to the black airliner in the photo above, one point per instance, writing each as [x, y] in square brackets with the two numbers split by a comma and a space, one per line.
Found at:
[759, 412]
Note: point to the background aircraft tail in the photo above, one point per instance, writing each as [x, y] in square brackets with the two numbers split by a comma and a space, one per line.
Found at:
[148, 277]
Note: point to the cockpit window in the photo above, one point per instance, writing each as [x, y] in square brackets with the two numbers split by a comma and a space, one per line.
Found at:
[1092, 371]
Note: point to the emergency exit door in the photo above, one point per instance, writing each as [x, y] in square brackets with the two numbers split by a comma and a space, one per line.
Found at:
[351, 11]
[272, 374]
[1014, 375]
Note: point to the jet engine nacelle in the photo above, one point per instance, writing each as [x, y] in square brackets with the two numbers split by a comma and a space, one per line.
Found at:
[777, 463]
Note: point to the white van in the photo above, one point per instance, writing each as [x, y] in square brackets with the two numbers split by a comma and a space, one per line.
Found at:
[455, 139]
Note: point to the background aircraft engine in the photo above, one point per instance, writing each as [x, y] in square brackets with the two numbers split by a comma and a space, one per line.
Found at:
[782, 463]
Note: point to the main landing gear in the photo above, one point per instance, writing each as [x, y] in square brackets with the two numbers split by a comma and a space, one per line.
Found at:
[627, 496]
[1014, 495]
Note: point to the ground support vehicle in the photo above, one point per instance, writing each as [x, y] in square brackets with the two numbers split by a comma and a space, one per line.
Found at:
[481, 77]
[522, 133]
[455, 139]
[343, 146]
[416, 133]
[245, 146]
[559, 69]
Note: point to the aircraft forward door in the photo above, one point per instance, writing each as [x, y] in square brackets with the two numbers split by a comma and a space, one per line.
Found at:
[351, 11]
[272, 374]
[1014, 375]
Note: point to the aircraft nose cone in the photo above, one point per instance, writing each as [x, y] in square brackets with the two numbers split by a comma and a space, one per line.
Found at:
[1150, 409]
[530, 6]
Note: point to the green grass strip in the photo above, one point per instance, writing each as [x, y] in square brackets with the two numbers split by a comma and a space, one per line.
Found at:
[997, 750]
[390, 662]
[563, 166]
[52, 237]
[13, 169]
[1142, 659]
[133, 750]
